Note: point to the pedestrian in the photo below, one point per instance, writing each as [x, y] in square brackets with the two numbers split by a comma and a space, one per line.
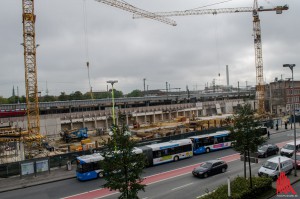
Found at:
[268, 134]
[285, 125]
[277, 126]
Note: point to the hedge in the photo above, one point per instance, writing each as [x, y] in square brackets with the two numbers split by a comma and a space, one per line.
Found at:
[240, 189]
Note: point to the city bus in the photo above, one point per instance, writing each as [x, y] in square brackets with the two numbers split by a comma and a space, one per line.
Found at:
[89, 167]
[167, 151]
[211, 142]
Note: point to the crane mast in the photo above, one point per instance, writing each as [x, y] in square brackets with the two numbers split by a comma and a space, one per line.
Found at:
[33, 118]
[260, 88]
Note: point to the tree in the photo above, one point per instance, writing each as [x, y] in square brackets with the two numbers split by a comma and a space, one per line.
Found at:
[63, 97]
[76, 96]
[135, 93]
[47, 98]
[122, 166]
[3, 100]
[118, 94]
[246, 135]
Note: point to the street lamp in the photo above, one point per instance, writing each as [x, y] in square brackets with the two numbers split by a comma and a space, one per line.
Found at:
[112, 82]
[291, 66]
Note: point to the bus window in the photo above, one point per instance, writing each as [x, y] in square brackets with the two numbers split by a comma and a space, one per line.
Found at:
[220, 139]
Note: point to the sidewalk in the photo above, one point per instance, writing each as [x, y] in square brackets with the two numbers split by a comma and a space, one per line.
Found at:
[56, 174]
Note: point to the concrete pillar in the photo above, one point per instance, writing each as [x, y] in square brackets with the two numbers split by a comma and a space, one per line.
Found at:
[83, 122]
[71, 123]
[154, 117]
[145, 118]
[22, 151]
[162, 116]
[126, 119]
[204, 112]
[106, 121]
[95, 122]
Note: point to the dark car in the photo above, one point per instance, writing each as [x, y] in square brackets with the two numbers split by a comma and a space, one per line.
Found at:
[209, 168]
[267, 150]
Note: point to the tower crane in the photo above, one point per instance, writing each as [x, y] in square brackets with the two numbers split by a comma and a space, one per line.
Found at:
[32, 102]
[29, 44]
[260, 88]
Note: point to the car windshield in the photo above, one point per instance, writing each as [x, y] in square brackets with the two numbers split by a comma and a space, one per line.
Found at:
[206, 164]
[270, 165]
[289, 147]
[263, 148]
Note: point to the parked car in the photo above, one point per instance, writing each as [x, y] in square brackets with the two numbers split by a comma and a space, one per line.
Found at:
[209, 168]
[297, 160]
[267, 150]
[288, 149]
[270, 167]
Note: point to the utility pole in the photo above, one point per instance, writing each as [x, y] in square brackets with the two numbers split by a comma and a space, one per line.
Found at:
[167, 87]
[144, 85]
[238, 88]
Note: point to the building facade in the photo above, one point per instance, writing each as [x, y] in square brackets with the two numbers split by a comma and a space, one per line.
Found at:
[280, 97]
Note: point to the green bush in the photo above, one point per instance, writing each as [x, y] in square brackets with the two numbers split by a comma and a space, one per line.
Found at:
[240, 189]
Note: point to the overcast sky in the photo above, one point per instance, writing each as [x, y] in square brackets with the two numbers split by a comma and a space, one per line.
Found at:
[192, 53]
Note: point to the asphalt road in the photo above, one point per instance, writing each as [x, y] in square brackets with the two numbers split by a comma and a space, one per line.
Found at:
[184, 186]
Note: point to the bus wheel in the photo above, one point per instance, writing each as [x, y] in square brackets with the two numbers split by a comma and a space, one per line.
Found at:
[176, 158]
[207, 150]
[100, 175]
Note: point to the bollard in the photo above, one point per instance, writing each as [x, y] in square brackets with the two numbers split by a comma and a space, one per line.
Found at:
[69, 165]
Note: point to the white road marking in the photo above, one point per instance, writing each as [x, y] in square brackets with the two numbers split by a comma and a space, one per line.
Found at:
[181, 187]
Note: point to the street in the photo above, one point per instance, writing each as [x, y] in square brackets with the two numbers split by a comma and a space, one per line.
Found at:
[179, 186]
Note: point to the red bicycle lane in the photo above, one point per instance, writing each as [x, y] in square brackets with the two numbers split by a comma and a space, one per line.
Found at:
[100, 193]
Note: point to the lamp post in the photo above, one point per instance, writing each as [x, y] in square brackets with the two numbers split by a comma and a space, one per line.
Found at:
[291, 66]
[112, 82]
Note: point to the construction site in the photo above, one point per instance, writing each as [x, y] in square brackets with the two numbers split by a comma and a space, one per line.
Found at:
[18, 144]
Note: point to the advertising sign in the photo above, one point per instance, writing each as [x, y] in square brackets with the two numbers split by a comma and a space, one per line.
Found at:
[42, 165]
[27, 168]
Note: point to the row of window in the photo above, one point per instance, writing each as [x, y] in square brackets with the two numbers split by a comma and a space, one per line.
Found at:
[293, 99]
[172, 151]
[82, 168]
[210, 141]
[290, 106]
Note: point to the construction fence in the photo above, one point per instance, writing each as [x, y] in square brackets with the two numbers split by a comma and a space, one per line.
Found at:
[34, 166]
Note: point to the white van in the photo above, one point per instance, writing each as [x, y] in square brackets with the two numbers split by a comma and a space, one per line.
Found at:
[289, 148]
[270, 168]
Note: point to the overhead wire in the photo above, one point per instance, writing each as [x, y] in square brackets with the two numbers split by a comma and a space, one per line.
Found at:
[211, 5]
